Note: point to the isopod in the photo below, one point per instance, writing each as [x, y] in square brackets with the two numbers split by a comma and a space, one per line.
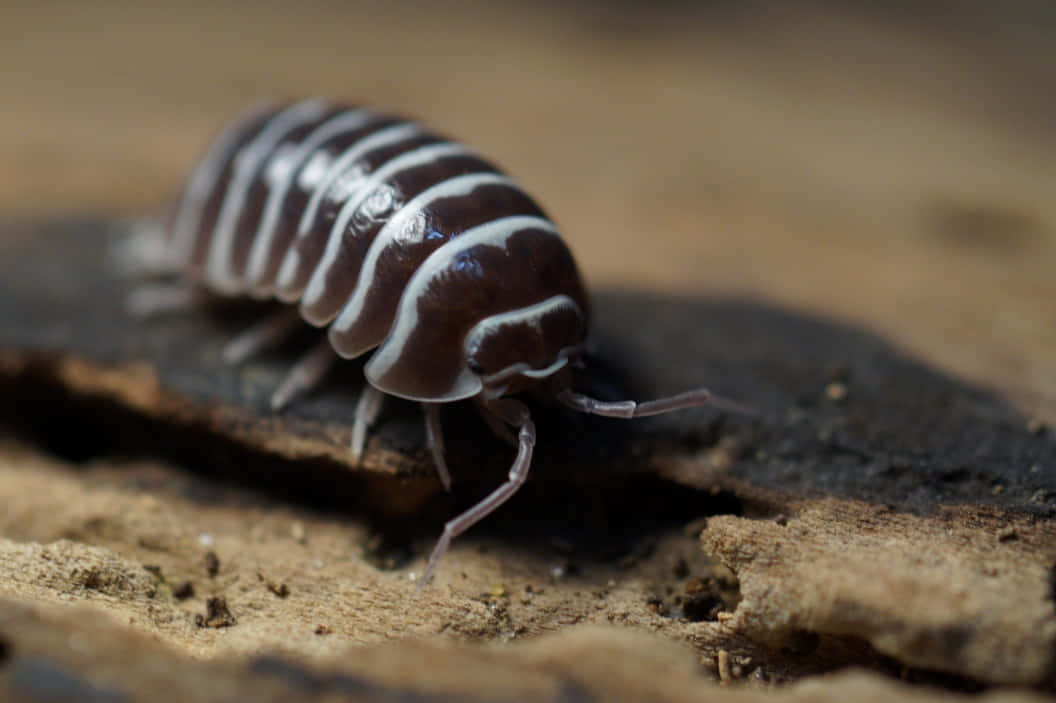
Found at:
[402, 243]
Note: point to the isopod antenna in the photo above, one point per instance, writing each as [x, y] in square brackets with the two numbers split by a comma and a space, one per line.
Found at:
[627, 409]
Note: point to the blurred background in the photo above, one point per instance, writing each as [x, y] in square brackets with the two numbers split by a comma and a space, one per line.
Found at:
[888, 164]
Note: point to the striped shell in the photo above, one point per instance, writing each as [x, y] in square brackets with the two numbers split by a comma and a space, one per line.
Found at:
[396, 238]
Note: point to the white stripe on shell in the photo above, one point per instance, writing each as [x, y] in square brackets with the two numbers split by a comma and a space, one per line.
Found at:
[531, 315]
[406, 226]
[203, 181]
[492, 389]
[296, 164]
[218, 272]
[495, 233]
[284, 290]
[372, 189]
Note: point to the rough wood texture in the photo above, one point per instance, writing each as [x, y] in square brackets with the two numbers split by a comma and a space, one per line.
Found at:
[963, 590]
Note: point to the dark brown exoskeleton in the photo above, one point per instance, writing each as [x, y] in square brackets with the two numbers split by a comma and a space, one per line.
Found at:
[401, 242]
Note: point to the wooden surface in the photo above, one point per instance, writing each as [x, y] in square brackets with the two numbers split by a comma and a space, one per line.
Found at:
[845, 219]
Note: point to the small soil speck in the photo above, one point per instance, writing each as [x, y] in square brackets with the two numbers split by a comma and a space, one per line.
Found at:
[217, 614]
[183, 590]
[212, 564]
[836, 391]
[279, 589]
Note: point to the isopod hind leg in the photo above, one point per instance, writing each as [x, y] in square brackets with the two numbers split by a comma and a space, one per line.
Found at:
[367, 409]
[155, 298]
[516, 415]
[434, 438]
[266, 334]
[304, 375]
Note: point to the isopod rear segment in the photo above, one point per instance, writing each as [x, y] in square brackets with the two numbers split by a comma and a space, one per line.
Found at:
[403, 245]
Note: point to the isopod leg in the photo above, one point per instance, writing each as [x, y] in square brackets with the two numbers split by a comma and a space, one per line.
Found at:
[367, 410]
[151, 299]
[434, 437]
[266, 333]
[516, 414]
[305, 374]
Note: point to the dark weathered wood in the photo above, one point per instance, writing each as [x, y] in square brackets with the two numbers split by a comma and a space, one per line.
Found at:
[841, 412]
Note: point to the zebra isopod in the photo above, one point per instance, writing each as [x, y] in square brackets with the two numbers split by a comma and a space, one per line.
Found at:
[402, 244]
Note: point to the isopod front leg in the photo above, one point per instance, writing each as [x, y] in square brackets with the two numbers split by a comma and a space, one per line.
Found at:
[305, 374]
[367, 410]
[434, 438]
[265, 334]
[516, 414]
